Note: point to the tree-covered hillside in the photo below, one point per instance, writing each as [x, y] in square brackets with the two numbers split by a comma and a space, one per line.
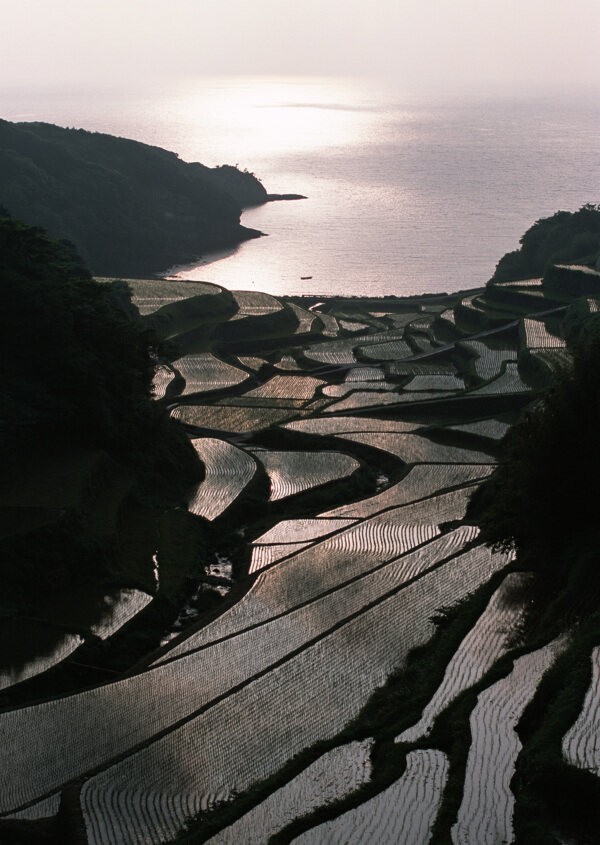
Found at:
[565, 237]
[131, 209]
[542, 499]
[77, 421]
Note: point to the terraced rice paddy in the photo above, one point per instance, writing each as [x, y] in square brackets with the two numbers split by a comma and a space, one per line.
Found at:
[488, 361]
[405, 812]
[364, 399]
[424, 396]
[448, 316]
[401, 320]
[260, 402]
[347, 556]
[412, 449]
[225, 665]
[422, 343]
[341, 351]
[334, 606]
[328, 779]
[330, 324]
[299, 530]
[87, 737]
[537, 336]
[380, 336]
[522, 283]
[435, 382]
[290, 536]
[204, 372]
[228, 663]
[162, 379]
[293, 472]
[252, 362]
[432, 307]
[152, 792]
[288, 363]
[475, 301]
[509, 382]
[305, 318]
[338, 390]
[255, 303]
[239, 657]
[287, 387]
[391, 350]
[593, 304]
[492, 429]
[348, 424]
[364, 374]
[486, 812]
[537, 298]
[417, 368]
[151, 294]
[422, 323]
[228, 470]
[553, 359]
[334, 352]
[353, 326]
[43, 809]
[231, 418]
[581, 743]
[265, 555]
[487, 641]
[421, 481]
[338, 595]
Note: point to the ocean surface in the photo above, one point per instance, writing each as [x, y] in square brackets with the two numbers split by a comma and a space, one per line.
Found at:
[405, 193]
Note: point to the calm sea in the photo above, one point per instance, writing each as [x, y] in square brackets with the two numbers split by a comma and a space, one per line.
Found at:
[406, 194]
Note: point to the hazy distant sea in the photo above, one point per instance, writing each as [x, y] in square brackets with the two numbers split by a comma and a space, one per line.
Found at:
[406, 193]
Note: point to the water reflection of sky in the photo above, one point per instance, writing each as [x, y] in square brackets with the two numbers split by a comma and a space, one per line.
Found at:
[406, 194]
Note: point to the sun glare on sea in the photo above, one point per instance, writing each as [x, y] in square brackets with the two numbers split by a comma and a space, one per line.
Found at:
[252, 115]
[309, 135]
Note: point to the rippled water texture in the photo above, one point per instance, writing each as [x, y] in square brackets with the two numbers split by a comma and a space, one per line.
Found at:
[405, 194]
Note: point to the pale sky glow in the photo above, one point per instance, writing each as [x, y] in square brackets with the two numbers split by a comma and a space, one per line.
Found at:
[512, 46]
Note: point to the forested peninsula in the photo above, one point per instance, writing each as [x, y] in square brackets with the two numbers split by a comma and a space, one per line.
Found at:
[131, 209]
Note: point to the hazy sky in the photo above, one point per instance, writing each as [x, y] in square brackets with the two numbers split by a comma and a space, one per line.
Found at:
[526, 45]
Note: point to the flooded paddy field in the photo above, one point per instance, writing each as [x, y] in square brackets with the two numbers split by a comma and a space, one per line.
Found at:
[360, 672]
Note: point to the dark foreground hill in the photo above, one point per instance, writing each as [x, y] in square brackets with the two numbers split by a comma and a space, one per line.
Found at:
[130, 208]
[92, 471]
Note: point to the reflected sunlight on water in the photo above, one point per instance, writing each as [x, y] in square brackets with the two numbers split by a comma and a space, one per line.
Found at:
[250, 118]
[406, 194]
